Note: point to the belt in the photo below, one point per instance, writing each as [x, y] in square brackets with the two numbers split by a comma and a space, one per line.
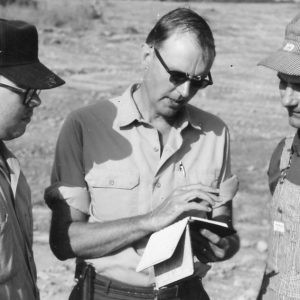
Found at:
[113, 286]
[105, 288]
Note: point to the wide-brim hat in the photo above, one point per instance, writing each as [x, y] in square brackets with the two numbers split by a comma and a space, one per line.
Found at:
[19, 60]
[287, 59]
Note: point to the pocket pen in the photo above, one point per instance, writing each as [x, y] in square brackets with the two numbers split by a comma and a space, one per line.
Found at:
[182, 169]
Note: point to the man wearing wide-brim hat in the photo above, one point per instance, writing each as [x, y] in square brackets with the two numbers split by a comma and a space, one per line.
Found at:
[282, 275]
[22, 77]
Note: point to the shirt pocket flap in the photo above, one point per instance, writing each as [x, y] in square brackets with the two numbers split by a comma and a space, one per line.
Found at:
[124, 180]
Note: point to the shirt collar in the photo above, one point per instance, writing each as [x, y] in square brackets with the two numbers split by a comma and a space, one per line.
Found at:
[192, 119]
[185, 118]
[128, 112]
[6, 158]
[296, 143]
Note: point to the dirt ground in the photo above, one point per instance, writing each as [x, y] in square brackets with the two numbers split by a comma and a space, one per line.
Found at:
[99, 58]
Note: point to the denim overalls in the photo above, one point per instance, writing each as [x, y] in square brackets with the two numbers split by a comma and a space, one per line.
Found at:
[282, 275]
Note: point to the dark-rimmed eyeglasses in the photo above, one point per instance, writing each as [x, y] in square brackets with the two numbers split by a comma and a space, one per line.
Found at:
[286, 78]
[177, 77]
[27, 94]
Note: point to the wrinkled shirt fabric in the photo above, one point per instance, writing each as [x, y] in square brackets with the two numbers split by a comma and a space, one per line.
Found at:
[17, 267]
[109, 165]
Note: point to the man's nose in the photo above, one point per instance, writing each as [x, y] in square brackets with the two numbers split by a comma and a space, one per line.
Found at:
[184, 89]
[290, 97]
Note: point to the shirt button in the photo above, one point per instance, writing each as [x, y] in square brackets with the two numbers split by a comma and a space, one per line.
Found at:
[111, 182]
[279, 209]
[158, 185]
[156, 149]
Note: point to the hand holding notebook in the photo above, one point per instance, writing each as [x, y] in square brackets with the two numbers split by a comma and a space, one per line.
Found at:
[170, 249]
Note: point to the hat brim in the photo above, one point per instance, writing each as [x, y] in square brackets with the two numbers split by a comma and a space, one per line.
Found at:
[283, 61]
[34, 75]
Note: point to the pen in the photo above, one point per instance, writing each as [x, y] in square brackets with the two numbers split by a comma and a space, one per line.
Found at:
[181, 168]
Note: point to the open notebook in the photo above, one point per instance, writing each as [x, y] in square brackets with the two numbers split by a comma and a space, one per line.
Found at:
[170, 249]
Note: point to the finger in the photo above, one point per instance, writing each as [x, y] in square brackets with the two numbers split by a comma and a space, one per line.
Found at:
[217, 251]
[206, 195]
[205, 255]
[217, 245]
[194, 206]
[204, 188]
[186, 190]
[206, 250]
[212, 237]
[201, 194]
[196, 195]
[202, 248]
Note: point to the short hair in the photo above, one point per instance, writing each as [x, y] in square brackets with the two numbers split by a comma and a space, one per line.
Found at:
[182, 20]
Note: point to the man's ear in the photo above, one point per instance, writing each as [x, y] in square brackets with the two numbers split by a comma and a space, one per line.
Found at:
[147, 52]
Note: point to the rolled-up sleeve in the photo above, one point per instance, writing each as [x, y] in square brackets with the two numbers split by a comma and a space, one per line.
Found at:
[228, 189]
[229, 182]
[67, 179]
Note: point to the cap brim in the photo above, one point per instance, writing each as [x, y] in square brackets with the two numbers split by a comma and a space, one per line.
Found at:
[283, 61]
[34, 75]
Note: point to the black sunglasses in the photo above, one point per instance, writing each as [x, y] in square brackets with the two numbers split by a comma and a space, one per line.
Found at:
[293, 79]
[177, 77]
[27, 94]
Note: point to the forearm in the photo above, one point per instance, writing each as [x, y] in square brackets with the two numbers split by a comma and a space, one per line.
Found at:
[76, 237]
[71, 235]
[92, 240]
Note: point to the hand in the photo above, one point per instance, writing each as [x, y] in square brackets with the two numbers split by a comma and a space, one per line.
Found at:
[194, 197]
[209, 247]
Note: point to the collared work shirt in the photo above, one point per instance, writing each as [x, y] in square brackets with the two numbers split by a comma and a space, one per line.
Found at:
[109, 164]
[17, 268]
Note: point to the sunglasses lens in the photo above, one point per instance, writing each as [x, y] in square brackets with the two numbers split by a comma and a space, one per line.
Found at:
[177, 77]
[200, 84]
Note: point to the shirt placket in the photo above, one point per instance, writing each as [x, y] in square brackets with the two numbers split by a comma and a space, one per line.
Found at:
[162, 186]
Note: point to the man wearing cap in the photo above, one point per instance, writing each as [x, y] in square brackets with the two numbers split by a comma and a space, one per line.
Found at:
[282, 275]
[130, 166]
[22, 76]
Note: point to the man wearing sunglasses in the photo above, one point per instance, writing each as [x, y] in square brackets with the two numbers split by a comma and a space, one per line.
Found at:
[22, 77]
[131, 166]
[281, 279]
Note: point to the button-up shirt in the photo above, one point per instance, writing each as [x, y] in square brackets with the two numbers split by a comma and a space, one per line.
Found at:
[17, 267]
[109, 164]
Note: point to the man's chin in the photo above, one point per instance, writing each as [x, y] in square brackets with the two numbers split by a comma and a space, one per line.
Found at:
[14, 134]
[294, 122]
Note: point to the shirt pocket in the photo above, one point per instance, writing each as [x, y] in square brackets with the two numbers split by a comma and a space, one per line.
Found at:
[8, 266]
[114, 195]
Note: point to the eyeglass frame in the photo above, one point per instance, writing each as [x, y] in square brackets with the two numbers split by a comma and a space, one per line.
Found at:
[294, 79]
[194, 79]
[28, 94]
